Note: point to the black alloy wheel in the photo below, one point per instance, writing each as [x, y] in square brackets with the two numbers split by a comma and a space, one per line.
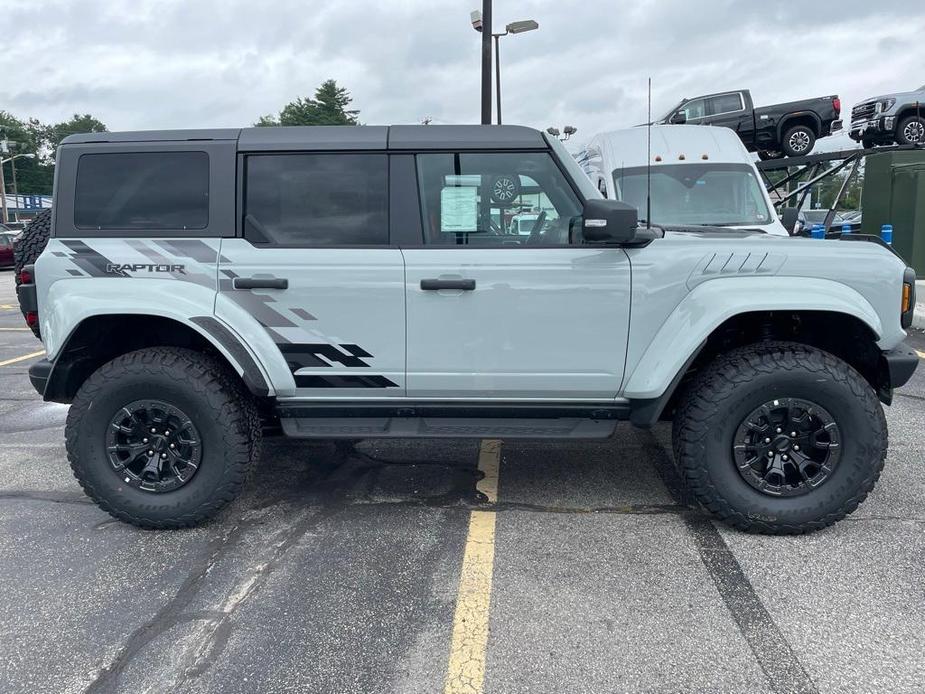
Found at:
[787, 447]
[153, 446]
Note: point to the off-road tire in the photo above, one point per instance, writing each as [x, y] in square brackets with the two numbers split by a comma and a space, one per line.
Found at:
[901, 130]
[807, 134]
[224, 413]
[725, 392]
[29, 247]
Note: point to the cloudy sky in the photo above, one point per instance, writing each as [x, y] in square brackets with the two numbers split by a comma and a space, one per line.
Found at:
[138, 64]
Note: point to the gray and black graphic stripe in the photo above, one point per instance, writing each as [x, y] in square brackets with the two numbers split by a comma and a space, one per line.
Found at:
[323, 355]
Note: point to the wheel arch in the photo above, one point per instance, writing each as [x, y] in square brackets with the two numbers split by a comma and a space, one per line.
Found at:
[807, 118]
[723, 314]
[102, 337]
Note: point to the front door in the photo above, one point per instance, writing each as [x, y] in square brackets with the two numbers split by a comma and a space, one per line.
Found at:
[503, 300]
[315, 272]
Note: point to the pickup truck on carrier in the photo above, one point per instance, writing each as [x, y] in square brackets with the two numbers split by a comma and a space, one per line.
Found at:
[789, 129]
[196, 289]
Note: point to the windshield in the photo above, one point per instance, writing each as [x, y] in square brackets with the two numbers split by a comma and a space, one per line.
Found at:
[671, 111]
[696, 194]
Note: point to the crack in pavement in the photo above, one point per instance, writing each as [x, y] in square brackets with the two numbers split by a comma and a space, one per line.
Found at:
[216, 626]
[776, 658]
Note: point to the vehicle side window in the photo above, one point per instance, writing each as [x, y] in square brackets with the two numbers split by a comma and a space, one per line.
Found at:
[142, 190]
[693, 109]
[316, 199]
[724, 103]
[497, 199]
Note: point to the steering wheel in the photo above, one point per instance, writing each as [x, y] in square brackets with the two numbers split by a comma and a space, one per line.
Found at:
[537, 228]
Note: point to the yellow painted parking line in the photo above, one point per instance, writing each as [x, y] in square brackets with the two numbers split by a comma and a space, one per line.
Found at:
[24, 357]
[465, 672]
[7, 307]
[920, 353]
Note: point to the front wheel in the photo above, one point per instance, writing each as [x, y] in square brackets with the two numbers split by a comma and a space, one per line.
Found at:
[911, 131]
[798, 141]
[780, 438]
[163, 437]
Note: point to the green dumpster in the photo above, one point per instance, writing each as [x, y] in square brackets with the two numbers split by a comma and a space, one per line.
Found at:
[894, 193]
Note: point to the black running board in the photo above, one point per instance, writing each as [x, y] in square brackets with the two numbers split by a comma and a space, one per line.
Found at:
[451, 420]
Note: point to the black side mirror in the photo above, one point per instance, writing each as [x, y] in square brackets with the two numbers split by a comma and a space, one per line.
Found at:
[609, 221]
[679, 118]
[788, 217]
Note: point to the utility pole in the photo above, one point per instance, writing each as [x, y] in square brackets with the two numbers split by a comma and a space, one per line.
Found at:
[486, 62]
[4, 149]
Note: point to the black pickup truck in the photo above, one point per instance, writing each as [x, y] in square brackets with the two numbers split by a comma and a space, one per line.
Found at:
[773, 131]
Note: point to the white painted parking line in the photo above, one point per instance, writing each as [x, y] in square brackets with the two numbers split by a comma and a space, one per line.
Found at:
[466, 669]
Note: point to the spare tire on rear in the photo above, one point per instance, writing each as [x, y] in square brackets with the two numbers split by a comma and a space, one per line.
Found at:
[29, 246]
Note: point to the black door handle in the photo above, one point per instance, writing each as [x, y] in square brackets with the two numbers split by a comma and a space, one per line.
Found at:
[260, 283]
[434, 285]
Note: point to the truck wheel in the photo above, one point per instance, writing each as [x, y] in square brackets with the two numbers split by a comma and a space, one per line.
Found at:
[780, 438]
[29, 247]
[911, 131]
[798, 141]
[163, 437]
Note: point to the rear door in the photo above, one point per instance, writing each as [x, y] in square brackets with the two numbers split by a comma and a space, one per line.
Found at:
[313, 269]
[496, 312]
[729, 111]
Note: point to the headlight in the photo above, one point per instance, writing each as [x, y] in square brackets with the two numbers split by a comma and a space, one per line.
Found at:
[885, 105]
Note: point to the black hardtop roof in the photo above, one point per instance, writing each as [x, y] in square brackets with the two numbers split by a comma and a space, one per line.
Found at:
[340, 137]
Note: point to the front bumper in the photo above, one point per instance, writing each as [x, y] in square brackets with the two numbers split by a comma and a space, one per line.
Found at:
[879, 125]
[900, 364]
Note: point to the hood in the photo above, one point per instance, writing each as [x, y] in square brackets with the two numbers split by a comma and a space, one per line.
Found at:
[899, 96]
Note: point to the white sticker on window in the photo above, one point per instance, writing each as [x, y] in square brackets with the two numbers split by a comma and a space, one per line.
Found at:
[459, 209]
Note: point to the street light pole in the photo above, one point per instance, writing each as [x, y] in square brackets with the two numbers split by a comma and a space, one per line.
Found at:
[27, 155]
[498, 72]
[15, 190]
[486, 62]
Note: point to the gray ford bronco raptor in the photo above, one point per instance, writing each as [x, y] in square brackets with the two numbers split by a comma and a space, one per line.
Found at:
[194, 289]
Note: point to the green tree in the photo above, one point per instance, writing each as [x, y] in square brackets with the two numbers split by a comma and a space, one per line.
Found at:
[36, 175]
[328, 107]
[51, 135]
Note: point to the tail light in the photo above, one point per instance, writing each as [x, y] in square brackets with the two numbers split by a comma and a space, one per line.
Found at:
[836, 104]
[32, 318]
[25, 276]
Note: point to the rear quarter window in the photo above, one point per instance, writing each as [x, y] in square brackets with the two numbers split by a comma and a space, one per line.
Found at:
[142, 191]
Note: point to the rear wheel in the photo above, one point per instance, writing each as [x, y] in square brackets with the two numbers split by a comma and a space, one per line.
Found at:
[798, 141]
[163, 437]
[911, 131]
[29, 247]
[780, 438]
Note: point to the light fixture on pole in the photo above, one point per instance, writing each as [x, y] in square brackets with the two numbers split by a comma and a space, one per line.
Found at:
[512, 28]
[4, 147]
[566, 133]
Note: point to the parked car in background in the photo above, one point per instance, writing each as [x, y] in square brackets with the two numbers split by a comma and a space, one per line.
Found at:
[891, 118]
[6, 249]
[789, 129]
[699, 177]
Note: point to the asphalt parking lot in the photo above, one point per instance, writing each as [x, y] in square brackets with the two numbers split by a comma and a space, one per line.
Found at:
[341, 567]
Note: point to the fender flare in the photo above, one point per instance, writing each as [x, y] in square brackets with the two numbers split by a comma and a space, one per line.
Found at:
[68, 306]
[712, 303]
[787, 117]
